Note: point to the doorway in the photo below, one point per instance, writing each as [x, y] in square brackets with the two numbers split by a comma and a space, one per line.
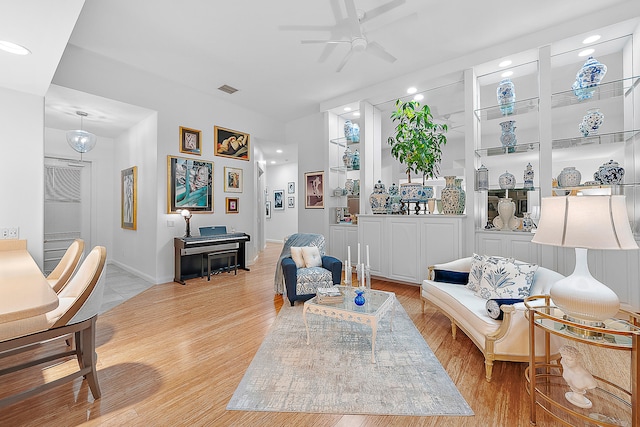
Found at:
[67, 207]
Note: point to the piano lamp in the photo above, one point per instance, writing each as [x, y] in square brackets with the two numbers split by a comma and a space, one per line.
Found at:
[585, 222]
[81, 140]
[187, 216]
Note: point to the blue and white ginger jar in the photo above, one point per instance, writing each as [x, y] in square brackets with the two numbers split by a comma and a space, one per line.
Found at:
[355, 162]
[588, 77]
[507, 181]
[348, 128]
[591, 122]
[395, 202]
[379, 199]
[609, 173]
[506, 94]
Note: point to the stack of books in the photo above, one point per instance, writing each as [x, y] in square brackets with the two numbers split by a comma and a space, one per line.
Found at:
[329, 295]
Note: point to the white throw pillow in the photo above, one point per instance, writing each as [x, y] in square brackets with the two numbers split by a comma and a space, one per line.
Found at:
[311, 255]
[475, 273]
[296, 256]
[506, 278]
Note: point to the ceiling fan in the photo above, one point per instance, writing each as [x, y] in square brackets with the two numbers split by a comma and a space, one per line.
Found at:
[349, 30]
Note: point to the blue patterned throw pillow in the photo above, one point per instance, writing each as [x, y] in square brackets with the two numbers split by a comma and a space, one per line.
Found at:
[506, 278]
[475, 273]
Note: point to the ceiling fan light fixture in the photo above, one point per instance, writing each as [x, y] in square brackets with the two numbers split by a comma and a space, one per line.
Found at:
[79, 139]
[359, 44]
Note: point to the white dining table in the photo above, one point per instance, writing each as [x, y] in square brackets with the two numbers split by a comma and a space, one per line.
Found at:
[24, 291]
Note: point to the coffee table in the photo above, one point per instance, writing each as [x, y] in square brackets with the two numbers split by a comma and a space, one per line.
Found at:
[377, 304]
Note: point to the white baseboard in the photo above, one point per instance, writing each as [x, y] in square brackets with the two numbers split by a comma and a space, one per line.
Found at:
[138, 273]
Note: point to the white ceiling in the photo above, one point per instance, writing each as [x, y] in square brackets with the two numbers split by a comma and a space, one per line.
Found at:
[205, 44]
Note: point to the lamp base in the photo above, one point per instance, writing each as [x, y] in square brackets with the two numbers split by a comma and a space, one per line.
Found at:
[584, 332]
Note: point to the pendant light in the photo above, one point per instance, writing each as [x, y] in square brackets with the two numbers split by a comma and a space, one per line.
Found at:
[81, 140]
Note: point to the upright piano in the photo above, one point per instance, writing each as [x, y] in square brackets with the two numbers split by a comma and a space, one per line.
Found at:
[189, 252]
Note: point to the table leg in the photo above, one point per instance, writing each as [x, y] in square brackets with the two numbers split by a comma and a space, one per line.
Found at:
[306, 325]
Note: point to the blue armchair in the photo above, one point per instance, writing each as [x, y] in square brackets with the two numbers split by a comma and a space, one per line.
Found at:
[301, 283]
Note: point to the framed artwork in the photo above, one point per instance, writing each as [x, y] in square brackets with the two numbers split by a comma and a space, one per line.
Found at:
[291, 202]
[231, 143]
[278, 199]
[189, 185]
[232, 205]
[129, 198]
[314, 190]
[291, 187]
[190, 141]
[232, 180]
[267, 211]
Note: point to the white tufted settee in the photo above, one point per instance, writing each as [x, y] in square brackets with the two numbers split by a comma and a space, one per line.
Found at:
[506, 339]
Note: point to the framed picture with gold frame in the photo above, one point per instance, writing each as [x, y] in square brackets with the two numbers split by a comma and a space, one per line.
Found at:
[129, 198]
[232, 205]
[189, 185]
[232, 180]
[231, 143]
[190, 141]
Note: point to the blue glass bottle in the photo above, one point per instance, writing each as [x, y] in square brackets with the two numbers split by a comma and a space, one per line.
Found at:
[359, 299]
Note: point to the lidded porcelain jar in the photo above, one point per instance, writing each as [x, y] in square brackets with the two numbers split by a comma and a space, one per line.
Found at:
[355, 162]
[591, 122]
[348, 128]
[527, 222]
[508, 137]
[569, 177]
[528, 177]
[355, 132]
[395, 202]
[347, 158]
[348, 185]
[379, 199]
[507, 181]
[588, 77]
[482, 178]
[609, 173]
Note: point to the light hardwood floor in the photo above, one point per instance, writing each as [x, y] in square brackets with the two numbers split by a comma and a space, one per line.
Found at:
[173, 356]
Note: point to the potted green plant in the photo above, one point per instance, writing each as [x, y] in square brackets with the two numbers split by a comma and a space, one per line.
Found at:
[417, 142]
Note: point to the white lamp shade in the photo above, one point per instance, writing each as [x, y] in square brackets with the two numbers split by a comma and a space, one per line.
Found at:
[590, 222]
[81, 140]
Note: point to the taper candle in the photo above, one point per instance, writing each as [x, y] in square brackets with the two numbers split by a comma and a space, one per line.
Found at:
[368, 256]
[358, 253]
[349, 255]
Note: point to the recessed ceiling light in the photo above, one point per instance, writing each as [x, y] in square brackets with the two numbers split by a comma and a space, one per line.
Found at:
[347, 108]
[357, 113]
[273, 162]
[507, 73]
[278, 151]
[418, 97]
[504, 63]
[591, 39]
[13, 48]
[412, 90]
[586, 52]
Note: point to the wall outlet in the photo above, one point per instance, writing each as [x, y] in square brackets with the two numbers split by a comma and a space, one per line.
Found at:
[13, 232]
[4, 233]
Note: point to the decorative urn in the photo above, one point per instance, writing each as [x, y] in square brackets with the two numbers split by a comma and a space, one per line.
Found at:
[609, 173]
[506, 95]
[569, 177]
[507, 181]
[395, 202]
[588, 77]
[591, 122]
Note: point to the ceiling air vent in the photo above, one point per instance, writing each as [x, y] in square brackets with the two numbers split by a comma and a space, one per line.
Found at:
[228, 89]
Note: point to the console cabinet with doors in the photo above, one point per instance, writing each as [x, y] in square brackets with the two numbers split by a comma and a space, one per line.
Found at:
[402, 247]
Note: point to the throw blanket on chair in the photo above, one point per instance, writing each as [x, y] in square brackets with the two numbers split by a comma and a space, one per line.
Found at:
[298, 239]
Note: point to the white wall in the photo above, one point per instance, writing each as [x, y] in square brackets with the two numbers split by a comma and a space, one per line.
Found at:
[310, 134]
[283, 222]
[22, 171]
[176, 106]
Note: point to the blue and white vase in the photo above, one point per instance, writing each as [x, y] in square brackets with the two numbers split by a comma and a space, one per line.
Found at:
[450, 197]
[427, 193]
[355, 132]
[348, 129]
[508, 136]
[411, 192]
[355, 162]
[507, 181]
[527, 222]
[347, 158]
[609, 173]
[588, 77]
[591, 122]
[506, 94]
[462, 198]
[395, 202]
[528, 177]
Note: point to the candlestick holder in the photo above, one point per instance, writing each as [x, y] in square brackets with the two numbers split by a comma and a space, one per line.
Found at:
[348, 272]
[367, 276]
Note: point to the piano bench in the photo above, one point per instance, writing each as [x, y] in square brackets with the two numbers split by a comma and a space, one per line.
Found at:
[219, 255]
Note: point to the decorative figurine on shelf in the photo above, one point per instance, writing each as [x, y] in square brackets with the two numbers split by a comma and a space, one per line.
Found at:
[528, 177]
[576, 376]
[355, 162]
[506, 94]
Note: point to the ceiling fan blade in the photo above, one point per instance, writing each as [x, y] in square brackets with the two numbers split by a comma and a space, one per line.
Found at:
[377, 50]
[328, 50]
[337, 10]
[377, 11]
[344, 61]
[306, 27]
[324, 41]
[352, 18]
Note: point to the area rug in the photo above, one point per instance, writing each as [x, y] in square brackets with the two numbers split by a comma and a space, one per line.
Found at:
[334, 374]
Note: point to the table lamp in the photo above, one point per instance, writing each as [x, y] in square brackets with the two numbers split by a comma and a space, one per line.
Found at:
[187, 216]
[585, 222]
